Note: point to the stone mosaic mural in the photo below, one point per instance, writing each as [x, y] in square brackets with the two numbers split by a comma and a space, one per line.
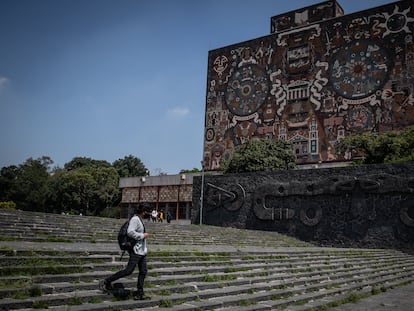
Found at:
[312, 82]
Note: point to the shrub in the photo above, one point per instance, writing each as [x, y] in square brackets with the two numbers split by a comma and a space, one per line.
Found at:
[111, 212]
[8, 205]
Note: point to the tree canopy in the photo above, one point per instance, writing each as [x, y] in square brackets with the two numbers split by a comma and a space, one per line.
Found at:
[26, 184]
[83, 186]
[387, 147]
[187, 171]
[261, 155]
[130, 166]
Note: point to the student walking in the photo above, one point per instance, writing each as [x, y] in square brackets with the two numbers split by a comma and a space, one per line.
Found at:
[137, 256]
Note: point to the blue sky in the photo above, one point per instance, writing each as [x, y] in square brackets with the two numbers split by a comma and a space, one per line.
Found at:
[110, 78]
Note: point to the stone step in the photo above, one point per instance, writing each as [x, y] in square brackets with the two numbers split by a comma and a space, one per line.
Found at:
[199, 286]
[180, 265]
[308, 300]
[228, 298]
[252, 271]
[170, 233]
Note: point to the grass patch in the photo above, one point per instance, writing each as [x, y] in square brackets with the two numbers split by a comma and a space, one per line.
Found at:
[20, 283]
[249, 257]
[232, 270]
[165, 292]
[164, 303]
[40, 305]
[170, 283]
[23, 293]
[35, 291]
[352, 298]
[247, 302]
[8, 238]
[95, 300]
[36, 270]
[300, 302]
[217, 278]
[75, 301]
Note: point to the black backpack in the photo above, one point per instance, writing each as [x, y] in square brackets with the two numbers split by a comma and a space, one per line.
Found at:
[120, 292]
[125, 242]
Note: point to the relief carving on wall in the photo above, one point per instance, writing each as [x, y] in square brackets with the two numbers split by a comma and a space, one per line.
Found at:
[286, 201]
[230, 197]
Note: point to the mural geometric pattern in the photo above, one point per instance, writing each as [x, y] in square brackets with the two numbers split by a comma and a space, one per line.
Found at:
[318, 77]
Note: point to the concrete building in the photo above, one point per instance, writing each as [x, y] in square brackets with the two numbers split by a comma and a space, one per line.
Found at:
[168, 193]
[318, 77]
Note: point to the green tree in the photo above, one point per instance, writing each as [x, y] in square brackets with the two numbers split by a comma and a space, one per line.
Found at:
[194, 170]
[29, 188]
[261, 155]
[74, 191]
[83, 185]
[87, 187]
[84, 191]
[60, 191]
[387, 147]
[130, 166]
[8, 177]
[107, 187]
[79, 162]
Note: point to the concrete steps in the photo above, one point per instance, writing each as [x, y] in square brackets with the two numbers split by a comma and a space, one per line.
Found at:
[41, 227]
[209, 270]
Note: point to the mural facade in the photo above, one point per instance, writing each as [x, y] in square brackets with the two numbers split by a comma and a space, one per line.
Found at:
[315, 79]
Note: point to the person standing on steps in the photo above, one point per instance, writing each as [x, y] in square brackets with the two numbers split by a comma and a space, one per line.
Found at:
[154, 215]
[137, 256]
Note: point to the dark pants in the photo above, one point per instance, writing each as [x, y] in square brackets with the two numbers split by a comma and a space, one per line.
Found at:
[134, 260]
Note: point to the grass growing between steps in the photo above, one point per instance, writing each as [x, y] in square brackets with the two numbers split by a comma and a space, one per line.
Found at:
[217, 278]
[33, 291]
[19, 267]
[354, 297]
[38, 261]
[8, 251]
[40, 305]
[12, 283]
[40, 270]
[165, 303]
[247, 302]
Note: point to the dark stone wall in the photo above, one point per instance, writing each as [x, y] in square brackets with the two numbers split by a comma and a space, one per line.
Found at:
[364, 206]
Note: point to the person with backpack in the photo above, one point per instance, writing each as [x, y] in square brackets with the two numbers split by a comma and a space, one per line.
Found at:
[137, 254]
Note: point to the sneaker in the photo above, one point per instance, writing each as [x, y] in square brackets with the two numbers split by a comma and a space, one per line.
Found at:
[141, 297]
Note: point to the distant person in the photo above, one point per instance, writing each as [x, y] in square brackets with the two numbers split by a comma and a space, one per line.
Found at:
[169, 217]
[137, 256]
[154, 215]
[161, 217]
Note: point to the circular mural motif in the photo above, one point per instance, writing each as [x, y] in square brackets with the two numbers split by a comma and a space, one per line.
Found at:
[396, 22]
[360, 118]
[247, 90]
[311, 215]
[407, 215]
[359, 69]
[210, 134]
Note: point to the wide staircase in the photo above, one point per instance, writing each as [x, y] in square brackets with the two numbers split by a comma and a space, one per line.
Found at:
[55, 262]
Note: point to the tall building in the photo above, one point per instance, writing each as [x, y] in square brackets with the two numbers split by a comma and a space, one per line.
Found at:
[318, 77]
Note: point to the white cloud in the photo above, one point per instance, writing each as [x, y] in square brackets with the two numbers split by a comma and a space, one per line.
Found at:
[178, 112]
[3, 82]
